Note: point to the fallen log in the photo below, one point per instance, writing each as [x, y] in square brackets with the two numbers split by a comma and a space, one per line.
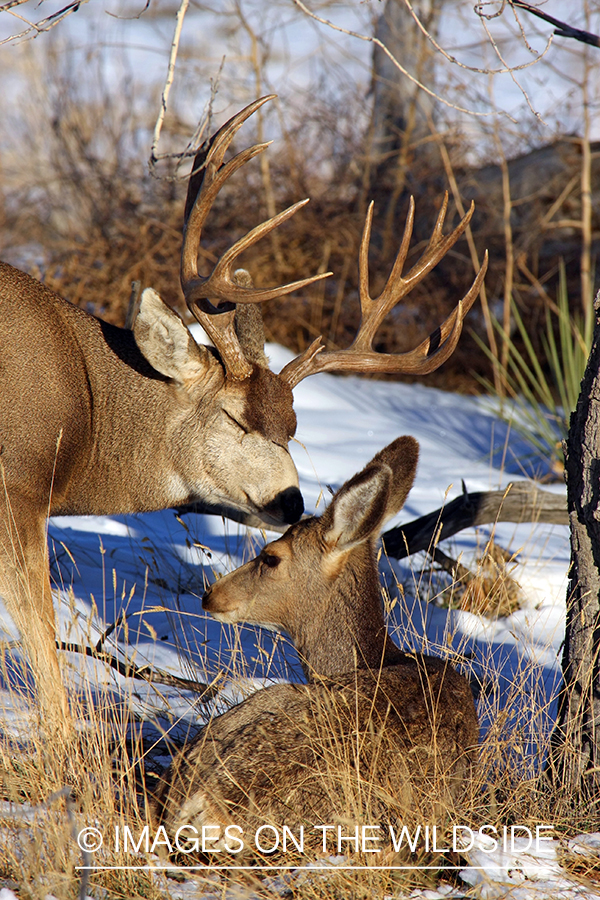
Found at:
[521, 501]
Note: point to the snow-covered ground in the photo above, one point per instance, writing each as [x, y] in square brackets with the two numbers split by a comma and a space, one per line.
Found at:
[153, 567]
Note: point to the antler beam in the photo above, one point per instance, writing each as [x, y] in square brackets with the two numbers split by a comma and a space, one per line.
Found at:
[433, 351]
[208, 176]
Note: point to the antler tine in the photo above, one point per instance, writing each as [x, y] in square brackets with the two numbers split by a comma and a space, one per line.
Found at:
[220, 285]
[397, 286]
[441, 343]
[208, 176]
[363, 263]
[430, 353]
[373, 312]
[437, 247]
[303, 365]
[213, 151]
[436, 234]
[192, 229]
[404, 244]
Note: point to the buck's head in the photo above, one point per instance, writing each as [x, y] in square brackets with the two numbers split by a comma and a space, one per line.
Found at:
[238, 413]
[228, 437]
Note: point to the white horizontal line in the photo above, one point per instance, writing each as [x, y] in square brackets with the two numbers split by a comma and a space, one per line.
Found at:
[330, 868]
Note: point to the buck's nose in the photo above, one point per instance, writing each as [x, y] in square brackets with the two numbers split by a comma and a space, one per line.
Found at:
[285, 509]
[292, 505]
[206, 598]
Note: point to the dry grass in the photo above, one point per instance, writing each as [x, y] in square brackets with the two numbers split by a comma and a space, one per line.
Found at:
[489, 589]
[50, 793]
[103, 781]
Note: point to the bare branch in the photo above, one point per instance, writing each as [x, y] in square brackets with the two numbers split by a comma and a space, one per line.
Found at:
[373, 40]
[508, 69]
[180, 16]
[456, 62]
[129, 669]
[34, 28]
[131, 18]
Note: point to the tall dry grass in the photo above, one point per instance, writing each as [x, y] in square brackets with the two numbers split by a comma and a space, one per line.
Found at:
[50, 792]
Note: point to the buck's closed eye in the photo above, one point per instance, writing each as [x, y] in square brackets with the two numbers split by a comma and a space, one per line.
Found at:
[235, 422]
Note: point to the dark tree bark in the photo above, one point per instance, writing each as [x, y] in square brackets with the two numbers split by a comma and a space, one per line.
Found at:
[575, 758]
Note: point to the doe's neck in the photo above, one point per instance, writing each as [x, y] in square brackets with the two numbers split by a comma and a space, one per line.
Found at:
[348, 631]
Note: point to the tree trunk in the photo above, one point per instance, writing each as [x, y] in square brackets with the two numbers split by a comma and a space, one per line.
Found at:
[575, 758]
[403, 113]
[400, 106]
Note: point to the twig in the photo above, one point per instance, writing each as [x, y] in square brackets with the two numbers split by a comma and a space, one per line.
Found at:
[510, 71]
[129, 669]
[183, 7]
[130, 18]
[561, 29]
[373, 40]
[456, 62]
[452, 566]
[449, 169]
[41, 26]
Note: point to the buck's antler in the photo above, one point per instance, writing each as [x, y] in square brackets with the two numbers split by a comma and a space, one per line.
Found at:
[360, 356]
[208, 176]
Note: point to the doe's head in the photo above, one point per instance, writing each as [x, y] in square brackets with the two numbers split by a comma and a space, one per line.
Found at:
[320, 558]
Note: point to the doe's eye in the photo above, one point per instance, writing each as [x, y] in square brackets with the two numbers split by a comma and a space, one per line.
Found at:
[270, 560]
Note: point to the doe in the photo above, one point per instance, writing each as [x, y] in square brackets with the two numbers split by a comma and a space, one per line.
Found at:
[375, 735]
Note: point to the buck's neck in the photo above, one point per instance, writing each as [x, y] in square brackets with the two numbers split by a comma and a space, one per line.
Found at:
[131, 440]
[348, 630]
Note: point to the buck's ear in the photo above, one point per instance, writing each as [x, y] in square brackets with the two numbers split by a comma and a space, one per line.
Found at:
[165, 341]
[357, 511]
[402, 456]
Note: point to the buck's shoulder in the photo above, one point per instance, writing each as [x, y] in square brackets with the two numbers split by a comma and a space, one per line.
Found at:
[29, 296]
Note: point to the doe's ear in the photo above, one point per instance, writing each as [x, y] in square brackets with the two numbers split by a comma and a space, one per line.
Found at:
[357, 511]
[165, 341]
[402, 456]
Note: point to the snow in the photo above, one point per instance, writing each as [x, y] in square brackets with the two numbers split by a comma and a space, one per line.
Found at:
[146, 575]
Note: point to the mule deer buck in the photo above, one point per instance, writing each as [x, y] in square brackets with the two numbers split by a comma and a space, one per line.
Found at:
[399, 730]
[100, 420]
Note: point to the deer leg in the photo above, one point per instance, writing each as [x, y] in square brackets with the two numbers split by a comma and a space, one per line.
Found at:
[25, 589]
